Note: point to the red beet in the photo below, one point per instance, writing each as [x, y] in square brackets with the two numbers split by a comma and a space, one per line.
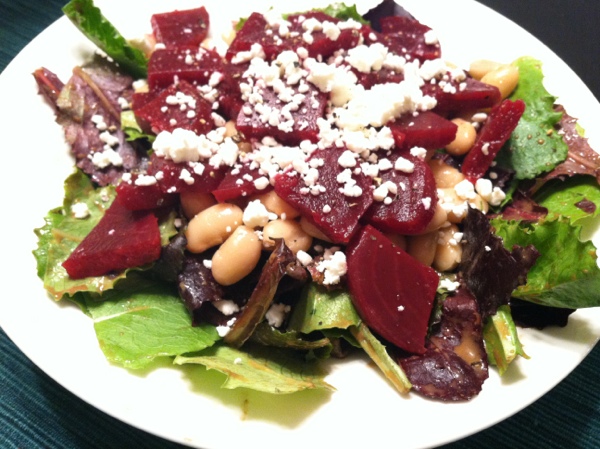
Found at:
[186, 28]
[468, 95]
[303, 125]
[321, 45]
[177, 106]
[256, 30]
[334, 213]
[500, 124]
[142, 197]
[170, 179]
[193, 65]
[414, 203]
[122, 239]
[392, 292]
[405, 36]
[385, 75]
[426, 130]
[253, 31]
[239, 183]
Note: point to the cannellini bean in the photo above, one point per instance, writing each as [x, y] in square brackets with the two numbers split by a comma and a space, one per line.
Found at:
[290, 231]
[274, 203]
[193, 203]
[423, 247]
[312, 230]
[481, 67]
[448, 252]
[505, 78]
[237, 256]
[465, 138]
[440, 217]
[212, 226]
[445, 175]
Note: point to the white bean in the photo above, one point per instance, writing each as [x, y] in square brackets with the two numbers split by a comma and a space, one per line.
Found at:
[465, 138]
[290, 231]
[448, 253]
[274, 203]
[193, 203]
[422, 247]
[237, 256]
[212, 226]
[505, 78]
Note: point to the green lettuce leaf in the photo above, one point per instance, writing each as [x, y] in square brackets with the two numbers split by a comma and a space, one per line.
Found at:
[132, 129]
[343, 11]
[566, 274]
[534, 147]
[140, 320]
[319, 309]
[267, 335]
[266, 369]
[378, 353]
[569, 197]
[63, 231]
[90, 21]
[502, 342]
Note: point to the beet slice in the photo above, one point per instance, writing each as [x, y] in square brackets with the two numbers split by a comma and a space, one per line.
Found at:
[181, 28]
[321, 45]
[230, 96]
[171, 179]
[464, 96]
[178, 106]
[238, 183]
[413, 205]
[392, 292]
[331, 211]
[252, 32]
[426, 130]
[261, 122]
[256, 30]
[500, 124]
[122, 239]
[141, 197]
[193, 65]
[405, 36]
[382, 76]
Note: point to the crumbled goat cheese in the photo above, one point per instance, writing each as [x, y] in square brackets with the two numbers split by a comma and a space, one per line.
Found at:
[333, 266]
[80, 210]
[276, 314]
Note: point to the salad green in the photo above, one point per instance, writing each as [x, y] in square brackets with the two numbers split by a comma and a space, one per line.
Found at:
[140, 318]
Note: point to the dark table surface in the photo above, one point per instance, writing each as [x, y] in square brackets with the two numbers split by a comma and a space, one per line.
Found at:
[36, 412]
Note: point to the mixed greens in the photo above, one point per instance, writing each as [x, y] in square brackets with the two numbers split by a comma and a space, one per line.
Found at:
[525, 261]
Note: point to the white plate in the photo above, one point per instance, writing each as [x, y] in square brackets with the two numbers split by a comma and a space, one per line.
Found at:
[185, 404]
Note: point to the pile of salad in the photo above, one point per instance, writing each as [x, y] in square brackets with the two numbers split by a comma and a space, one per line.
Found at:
[327, 184]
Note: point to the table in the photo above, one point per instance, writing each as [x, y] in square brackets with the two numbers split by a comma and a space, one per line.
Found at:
[36, 412]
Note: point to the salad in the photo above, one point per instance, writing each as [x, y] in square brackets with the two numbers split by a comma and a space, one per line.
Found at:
[326, 184]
